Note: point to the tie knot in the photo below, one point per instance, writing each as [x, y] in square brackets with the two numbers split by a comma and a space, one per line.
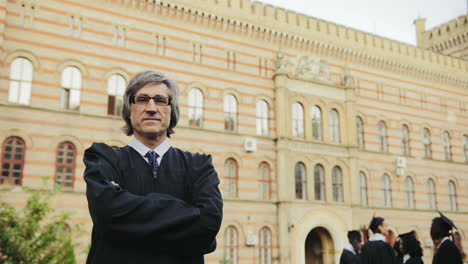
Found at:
[152, 154]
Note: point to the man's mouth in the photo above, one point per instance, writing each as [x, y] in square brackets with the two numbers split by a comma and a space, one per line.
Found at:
[151, 119]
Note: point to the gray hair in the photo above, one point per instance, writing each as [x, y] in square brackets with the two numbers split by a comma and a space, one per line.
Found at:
[142, 79]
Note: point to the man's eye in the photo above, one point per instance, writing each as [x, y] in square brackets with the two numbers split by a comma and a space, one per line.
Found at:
[142, 99]
[161, 100]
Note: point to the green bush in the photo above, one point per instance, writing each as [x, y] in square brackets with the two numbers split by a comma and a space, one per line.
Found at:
[36, 234]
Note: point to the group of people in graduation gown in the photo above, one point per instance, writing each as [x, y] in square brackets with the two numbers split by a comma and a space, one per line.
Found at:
[407, 248]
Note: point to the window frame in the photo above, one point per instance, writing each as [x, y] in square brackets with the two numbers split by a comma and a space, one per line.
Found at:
[264, 183]
[265, 249]
[231, 181]
[196, 103]
[334, 126]
[360, 132]
[13, 161]
[319, 183]
[300, 182]
[387, 190]
[232, 235]
[230, 110]
[23, 83]
[337, 184]
[68, 90]
[363, 186]
[116, 79]
[64, 165]
[382, 132]
[262, 116]
[297, 110]
[316, 117]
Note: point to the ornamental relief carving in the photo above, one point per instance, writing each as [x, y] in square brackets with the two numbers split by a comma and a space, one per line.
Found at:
[313, 69]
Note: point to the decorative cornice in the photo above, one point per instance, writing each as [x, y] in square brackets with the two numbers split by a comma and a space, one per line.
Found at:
[364, 48]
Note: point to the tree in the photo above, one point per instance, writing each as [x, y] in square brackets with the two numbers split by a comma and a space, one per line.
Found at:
[36, 234]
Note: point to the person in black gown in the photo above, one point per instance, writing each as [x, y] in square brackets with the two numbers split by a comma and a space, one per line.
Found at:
[410, 249]
[377, 250]
[151, 202]
[351, 252]
[446, 252]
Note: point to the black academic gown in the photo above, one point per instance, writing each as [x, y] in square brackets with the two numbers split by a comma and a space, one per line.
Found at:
[411, 260]
[377, 252]
[169, 219]
[447, 253]
[348, 257]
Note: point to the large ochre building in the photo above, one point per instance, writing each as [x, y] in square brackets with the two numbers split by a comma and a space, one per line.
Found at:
[313, 126]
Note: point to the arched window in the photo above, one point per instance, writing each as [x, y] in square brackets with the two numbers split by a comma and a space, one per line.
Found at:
[405, 140]
[316, 115]
[115, 90]
[319, 182]
[71, 85]
[337, 184]
[360, 132]
[230, 178]
[265, 245]
[387, 190]
[334, 126]
[447, 146]
[382, 136]
[427, 143]
[452, 196]
[465, 147]
[298, 120]
[264, 188]
[431, 193]
[65, 164]
[363, 188]
[301, 181]
[195, 110]
[231, 245]
[262, 118]
[230, 113]
[21, 72]
[409, 192]
[13, 161]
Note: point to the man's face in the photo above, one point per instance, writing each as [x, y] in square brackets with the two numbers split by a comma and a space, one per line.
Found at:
[151, 121]
[356, 245]
[384, 228]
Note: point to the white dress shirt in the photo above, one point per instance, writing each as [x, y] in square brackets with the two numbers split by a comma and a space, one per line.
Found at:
[143, 150]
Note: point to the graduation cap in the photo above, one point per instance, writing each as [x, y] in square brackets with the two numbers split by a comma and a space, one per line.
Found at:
[410, 234]
[445, 221]
[375, 222]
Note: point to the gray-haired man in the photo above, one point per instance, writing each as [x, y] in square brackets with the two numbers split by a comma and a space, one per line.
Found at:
[150, 202]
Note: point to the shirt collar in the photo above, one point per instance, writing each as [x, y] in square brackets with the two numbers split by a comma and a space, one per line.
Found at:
[441, 242]
[406, 257]
[349, 247]
[142, 149]
[377, 237]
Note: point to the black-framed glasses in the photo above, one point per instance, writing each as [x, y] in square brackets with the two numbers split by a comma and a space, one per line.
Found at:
[144, 99]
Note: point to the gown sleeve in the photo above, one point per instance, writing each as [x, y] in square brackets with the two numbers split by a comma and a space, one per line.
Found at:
[123, 217]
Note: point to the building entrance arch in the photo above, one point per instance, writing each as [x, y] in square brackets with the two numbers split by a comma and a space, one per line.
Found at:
[319, 247]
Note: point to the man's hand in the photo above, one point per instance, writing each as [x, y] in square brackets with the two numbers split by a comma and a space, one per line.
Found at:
[116, 184]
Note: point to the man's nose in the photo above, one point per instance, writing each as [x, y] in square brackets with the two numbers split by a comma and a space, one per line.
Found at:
[151, 106]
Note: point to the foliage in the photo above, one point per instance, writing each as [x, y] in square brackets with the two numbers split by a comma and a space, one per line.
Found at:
[36, 234]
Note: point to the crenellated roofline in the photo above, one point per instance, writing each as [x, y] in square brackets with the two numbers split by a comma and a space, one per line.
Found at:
[289, 29]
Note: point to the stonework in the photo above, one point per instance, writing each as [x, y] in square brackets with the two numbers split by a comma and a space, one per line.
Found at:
[253, 52]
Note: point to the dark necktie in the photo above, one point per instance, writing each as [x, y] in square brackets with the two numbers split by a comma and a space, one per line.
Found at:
[153, 162]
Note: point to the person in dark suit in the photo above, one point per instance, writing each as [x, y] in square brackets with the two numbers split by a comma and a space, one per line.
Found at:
[351, 252]
[410, 249]
[377, 250]
[446, 252]
[151, 202]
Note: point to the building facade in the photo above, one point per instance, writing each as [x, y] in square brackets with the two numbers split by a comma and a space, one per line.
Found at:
[313, 126]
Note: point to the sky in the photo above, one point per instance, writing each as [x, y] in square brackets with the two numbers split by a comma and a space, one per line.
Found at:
[393, 19]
